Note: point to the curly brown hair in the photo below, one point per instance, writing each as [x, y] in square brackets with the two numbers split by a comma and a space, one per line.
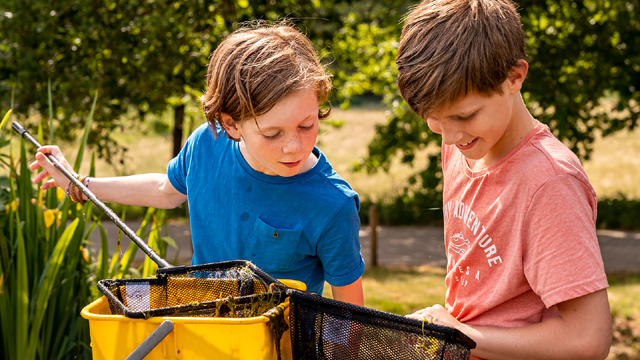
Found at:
[258, 65]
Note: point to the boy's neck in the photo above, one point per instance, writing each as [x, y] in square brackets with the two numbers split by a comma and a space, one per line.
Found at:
[521, 124]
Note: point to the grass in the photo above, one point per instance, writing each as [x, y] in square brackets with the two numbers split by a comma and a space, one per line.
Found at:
[405, 290]
[613, 168]
[401, 290]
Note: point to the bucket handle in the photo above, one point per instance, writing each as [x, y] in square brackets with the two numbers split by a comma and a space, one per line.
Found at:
[152, 341]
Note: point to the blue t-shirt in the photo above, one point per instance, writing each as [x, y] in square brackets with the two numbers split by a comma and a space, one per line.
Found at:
[304, 227]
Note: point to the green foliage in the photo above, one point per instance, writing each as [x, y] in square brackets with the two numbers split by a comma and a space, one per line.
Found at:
[44, 270]
[47, 273]
[584, 78]
[618, 213]
[146, 55]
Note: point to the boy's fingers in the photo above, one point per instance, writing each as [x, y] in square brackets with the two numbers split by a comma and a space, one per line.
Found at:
[40, 176]
[34, 165]
[49, 184]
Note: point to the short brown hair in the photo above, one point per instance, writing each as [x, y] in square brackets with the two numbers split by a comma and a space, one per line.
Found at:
[258, 65]
[451, 48]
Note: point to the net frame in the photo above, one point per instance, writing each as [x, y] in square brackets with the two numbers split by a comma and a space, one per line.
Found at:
[324, 328]
[235, 289]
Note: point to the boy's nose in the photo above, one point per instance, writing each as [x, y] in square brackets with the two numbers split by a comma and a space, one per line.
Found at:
[451, 136]
[450, 133]
[292, 145]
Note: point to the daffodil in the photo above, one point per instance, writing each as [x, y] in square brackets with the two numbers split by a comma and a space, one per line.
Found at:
[60, 194]
[85, 253]
[13, 206]
[49, 217]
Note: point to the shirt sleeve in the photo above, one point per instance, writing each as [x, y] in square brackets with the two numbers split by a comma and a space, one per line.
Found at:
[177, 171]
[561, 254]
[178, 167]
[339, 246]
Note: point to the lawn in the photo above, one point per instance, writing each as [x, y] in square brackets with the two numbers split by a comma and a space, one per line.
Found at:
[613, 169]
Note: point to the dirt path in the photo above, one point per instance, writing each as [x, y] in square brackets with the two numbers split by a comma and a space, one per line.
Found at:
[409, 246]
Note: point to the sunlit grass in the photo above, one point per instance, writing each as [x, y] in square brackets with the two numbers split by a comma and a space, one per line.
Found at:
[624, 295]
[401, 290]
[614, 166]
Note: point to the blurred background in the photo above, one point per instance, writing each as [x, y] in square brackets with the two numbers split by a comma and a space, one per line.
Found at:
[121, 79]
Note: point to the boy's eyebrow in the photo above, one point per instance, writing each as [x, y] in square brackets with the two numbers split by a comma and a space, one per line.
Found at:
[278, 128]
[463, 115]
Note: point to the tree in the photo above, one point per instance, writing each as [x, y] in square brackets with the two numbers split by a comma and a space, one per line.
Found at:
[584, 80]
[143, 55]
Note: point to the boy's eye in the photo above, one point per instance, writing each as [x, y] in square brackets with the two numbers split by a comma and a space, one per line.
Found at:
[306, 127]
[271, 136]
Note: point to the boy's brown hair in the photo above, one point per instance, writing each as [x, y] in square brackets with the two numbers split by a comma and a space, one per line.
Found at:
[451, 48]
[257, 66]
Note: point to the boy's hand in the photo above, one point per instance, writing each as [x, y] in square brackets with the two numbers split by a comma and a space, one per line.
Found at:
[437, 315]
[58, 179]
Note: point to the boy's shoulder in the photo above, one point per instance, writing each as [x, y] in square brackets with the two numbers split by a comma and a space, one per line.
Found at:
[331, 178]
[545, 154]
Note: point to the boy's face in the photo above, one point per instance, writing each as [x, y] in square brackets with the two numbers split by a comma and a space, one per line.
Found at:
[283, 138]
[485, 128]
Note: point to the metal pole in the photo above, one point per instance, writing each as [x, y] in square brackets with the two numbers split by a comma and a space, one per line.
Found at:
[130, 233]
[373, 235]
[151, 342]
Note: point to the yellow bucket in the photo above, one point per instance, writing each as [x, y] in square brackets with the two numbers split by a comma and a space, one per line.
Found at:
[115, 337]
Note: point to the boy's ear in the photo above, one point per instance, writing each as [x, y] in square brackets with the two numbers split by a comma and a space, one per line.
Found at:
[229, 125]
[517, 75]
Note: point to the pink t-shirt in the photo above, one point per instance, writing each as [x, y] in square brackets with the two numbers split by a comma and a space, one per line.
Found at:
[520, 235]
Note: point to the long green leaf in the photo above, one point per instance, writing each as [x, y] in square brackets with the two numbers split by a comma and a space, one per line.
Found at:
[85, 137]
[46, 285]
[102, 269]
[21, 295]
[50, 111]
[5, 120]
[7, 318]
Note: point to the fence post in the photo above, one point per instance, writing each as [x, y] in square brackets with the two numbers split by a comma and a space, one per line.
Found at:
[373, 235]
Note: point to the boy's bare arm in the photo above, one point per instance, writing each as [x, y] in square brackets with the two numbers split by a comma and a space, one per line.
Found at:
[351, 293]
[582, 331]
[153, 190]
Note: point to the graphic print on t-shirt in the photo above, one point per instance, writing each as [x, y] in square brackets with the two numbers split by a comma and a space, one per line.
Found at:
[457, 243]
[469, 235]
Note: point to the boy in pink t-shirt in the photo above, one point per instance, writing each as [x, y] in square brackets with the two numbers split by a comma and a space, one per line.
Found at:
[525, 277]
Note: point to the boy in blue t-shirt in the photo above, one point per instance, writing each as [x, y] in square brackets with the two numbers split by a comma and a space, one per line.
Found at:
[258, 188]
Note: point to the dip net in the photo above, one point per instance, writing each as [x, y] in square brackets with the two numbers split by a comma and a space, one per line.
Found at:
[320, 328]
[235, 289]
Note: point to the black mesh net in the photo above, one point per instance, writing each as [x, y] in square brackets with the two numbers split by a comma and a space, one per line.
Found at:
[320, 328]
[226, 289]
[327, 329]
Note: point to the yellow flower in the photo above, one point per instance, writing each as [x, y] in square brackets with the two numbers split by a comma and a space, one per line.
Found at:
[85, 253]
[40, 201]
[49, 217]
[13, 206]
[60, 194]
[58, 218]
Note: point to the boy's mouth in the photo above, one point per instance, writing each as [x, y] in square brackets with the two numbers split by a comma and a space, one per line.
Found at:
[468, 145]
[291, 164]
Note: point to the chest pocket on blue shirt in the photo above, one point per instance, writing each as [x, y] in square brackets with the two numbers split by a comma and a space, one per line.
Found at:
[270, 248]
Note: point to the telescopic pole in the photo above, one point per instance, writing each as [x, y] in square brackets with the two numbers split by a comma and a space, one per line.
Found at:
[116, 220]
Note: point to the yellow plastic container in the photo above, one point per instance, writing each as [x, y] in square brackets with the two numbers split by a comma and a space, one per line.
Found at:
[115, 337]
